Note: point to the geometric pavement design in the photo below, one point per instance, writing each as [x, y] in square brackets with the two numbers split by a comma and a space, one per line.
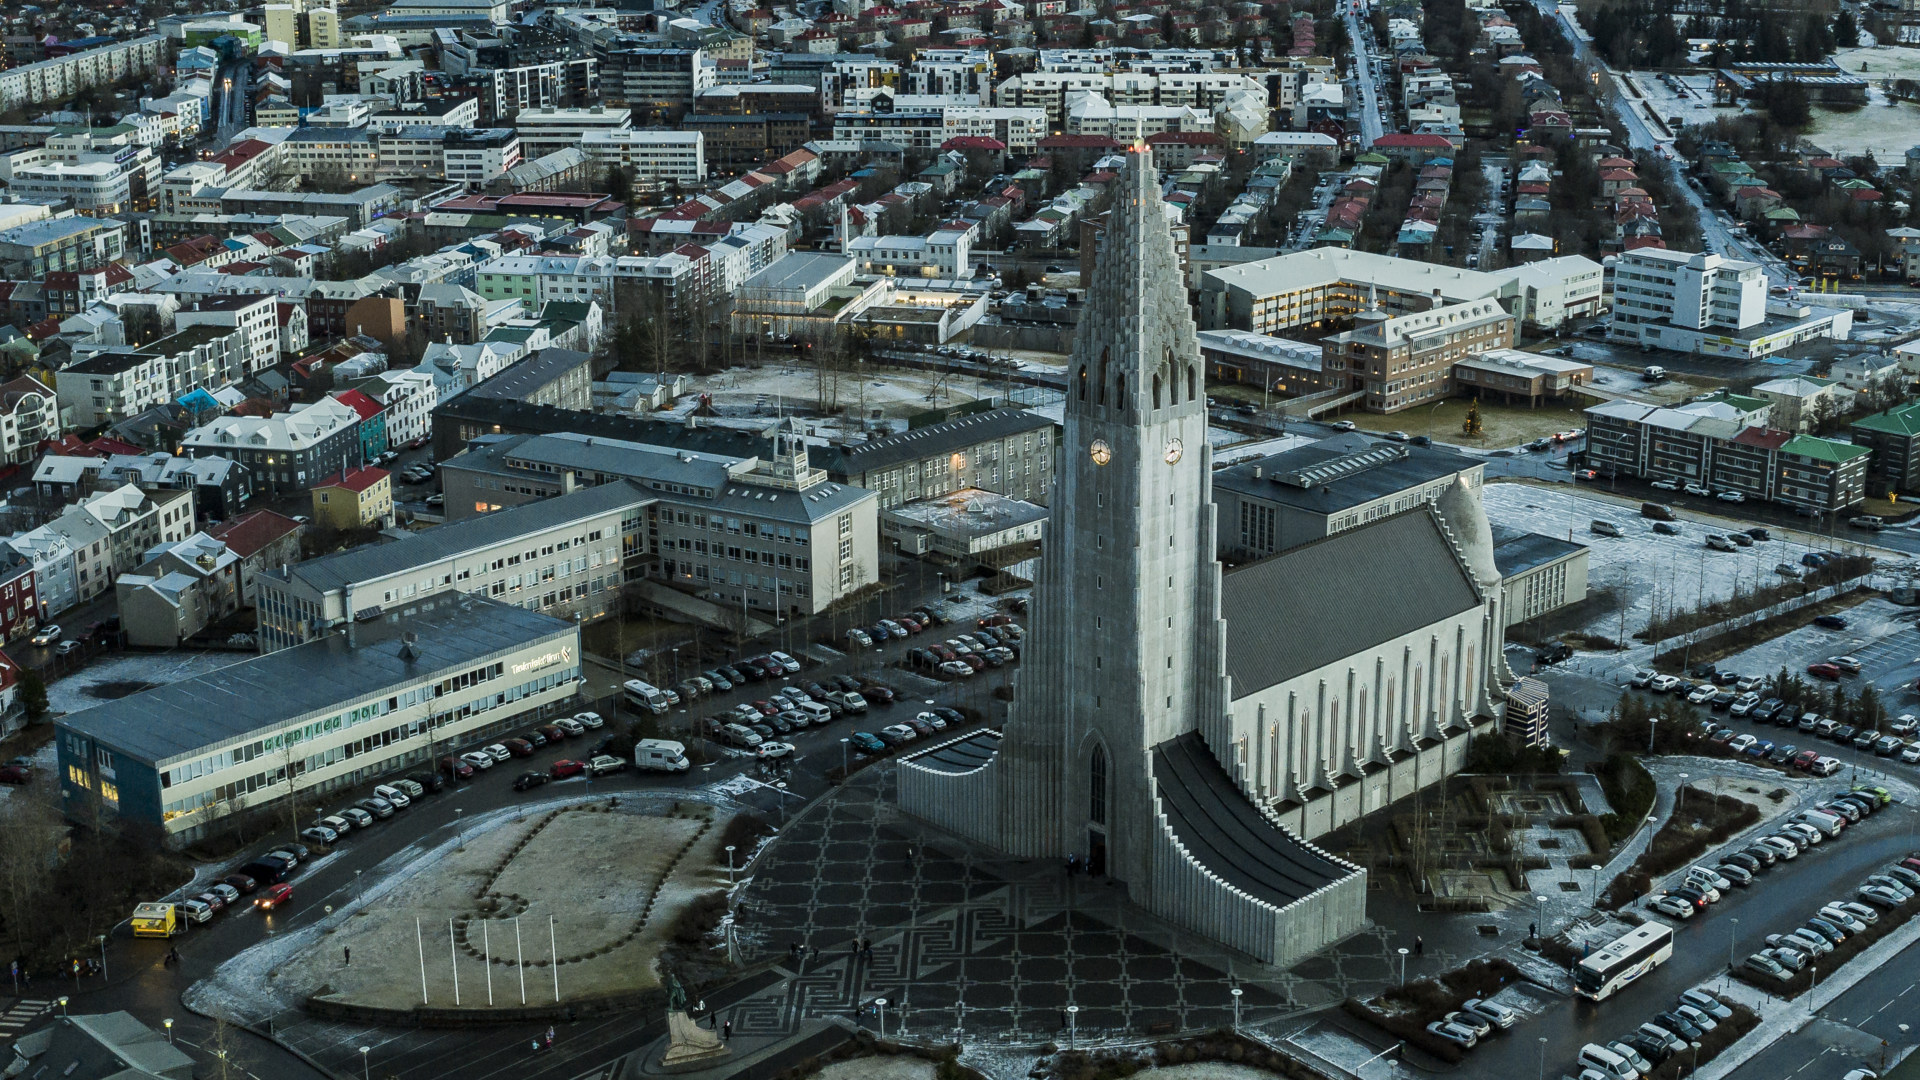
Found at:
[967, 942]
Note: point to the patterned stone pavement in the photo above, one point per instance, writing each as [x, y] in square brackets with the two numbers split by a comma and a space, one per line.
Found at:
[964, 942]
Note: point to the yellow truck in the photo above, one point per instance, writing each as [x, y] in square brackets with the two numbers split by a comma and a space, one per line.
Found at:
[157, 920]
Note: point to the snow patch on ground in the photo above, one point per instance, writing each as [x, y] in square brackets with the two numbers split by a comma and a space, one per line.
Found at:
[1642, 567]
[897, 1067]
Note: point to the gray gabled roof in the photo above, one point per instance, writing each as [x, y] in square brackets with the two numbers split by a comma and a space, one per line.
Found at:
[1341, 472]
[1339, 597]
[457, 537]
[259, 695]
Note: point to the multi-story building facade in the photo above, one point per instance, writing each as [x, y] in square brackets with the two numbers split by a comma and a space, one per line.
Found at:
[120, 383]
[29, 415]
[254, 315]
[286, 452]
[657, 84]
[1703, 303]
[1406, 360]
[1893, 437]
[678, 156]
[100, 172]
[34, 250]
[565, 556]
[770, 531]
[1009, 452]
[1724, 444]
[62, 77]
[335, 713]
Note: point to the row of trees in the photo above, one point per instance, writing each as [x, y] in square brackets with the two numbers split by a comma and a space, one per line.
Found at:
[1647, 35]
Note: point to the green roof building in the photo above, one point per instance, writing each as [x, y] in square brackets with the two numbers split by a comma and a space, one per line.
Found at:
[1891, 438]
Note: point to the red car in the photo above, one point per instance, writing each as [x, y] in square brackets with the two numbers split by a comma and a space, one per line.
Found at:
[995, 620]
[566, 767]
[1824, 671]
[275, 896]
[767, 708]
[1804, 759]
[242, 882]
[942, 651]
[453, 766]
[518, 747]
[15, 774]
[912, 624]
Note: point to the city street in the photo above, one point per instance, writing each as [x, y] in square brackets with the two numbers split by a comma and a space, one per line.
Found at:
[1360, 33]
[1861, 1028]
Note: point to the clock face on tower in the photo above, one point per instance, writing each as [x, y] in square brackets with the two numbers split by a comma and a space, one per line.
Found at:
[1173, 450]
[1100, 452]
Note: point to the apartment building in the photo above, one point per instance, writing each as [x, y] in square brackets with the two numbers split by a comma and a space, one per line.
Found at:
[658, 84]
[678, 156]
[545, 129]
[99, 172]
[62, 77]
[29, 415]
[286, 452]
[119, 383]
[34, 250]
[1009, 452]
[1704, 303]
[1724, 444]
[254, 315]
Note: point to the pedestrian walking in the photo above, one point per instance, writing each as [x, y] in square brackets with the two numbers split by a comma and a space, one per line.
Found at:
[1419, 946]
[726, 1031]
[1533, 930]
[346, 953]
[536, 1046]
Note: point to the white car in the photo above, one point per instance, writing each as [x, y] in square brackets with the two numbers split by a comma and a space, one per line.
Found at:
[859, 639]
[1703, 694]
[47, 635]
[1780, 846]
[1845, 663]
[787, 663]
[956, 669]
[1491, 1011]
[1911, 754]
[1740, 743]
[1697, 489]
[1706, 1003]
[901, 732]
[1344, 425]
[1660, 684]
[1731, 497]
[932, 720]
[393, 795]
[571, 726]
[1453, 1033]
[1672, 906]
[773, 750]
[477, 759]
[589, 719]
[497, 751]
[340, 826]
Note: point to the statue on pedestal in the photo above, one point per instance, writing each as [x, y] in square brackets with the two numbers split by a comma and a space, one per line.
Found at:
[687, 1042]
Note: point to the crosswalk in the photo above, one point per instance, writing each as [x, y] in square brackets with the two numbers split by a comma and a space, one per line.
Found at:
[24, 1012]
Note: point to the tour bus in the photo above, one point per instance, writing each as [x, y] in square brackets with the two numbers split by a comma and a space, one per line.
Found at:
[645, 697]
[156, 920]
[1612, 967]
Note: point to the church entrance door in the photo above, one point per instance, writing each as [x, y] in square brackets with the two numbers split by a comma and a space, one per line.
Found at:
[1096, 852]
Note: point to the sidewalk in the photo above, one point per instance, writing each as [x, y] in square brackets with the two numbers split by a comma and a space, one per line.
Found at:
[1781, 1018]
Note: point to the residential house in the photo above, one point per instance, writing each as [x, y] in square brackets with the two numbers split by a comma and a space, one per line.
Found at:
[178, 591]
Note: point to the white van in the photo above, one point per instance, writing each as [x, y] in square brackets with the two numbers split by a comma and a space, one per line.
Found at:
[1830, 824]
[660, 755]
[1595, 1056]
[816, 713]
[645, 697]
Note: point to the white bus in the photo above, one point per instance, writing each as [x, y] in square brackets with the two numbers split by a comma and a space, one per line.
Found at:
[1618, 963]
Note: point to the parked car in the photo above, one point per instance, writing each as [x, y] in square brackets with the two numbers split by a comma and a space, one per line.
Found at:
[274, 896]
[320, 834]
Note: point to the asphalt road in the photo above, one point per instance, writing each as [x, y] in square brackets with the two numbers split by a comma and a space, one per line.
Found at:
[1360, 34]
[1782, 898]
[146, 986]
[1854, 1031]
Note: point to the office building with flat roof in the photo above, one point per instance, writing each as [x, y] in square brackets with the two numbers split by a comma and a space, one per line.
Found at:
[383, 693]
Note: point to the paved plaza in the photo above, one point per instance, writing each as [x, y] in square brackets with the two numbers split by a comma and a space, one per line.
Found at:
[970, 943]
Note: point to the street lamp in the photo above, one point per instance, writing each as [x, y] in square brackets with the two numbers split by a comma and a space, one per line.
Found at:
[1540, 913]
[843, 760]
[460, 828]
[1236, 1007]
[780, 788]
[1732, 932]
[1596, 885]
[1543, 1057]
[168, 1022]
[882, 1004]
[729, 865]
[364, 1051]
[1073, 1024]
[63, 1005]
[1680, 800]
[1403, 965]
[357, 894]
[102, 939]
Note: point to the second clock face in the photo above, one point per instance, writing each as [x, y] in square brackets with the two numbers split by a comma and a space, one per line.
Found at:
[1100, 452]
[1174, 449]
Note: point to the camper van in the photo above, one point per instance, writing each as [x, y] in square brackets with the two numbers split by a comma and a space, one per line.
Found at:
[660, 755]
[157, 920]
[644, 697]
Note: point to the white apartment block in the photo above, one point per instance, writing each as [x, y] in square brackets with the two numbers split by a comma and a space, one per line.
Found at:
[650, 154]
[65, 76]
[120, 383]
[1051, 90]
[1703, 303]
[544, 130]
[255, 315]
[944, 254]
[952, 72]
[1021, 129]
[477, 156]
[1091, 114]
[101, 172]
[409, 397]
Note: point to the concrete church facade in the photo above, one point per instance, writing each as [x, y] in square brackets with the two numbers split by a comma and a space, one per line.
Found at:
[1183, 730]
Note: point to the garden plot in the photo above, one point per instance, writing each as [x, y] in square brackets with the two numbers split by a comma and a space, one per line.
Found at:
[1642, 568]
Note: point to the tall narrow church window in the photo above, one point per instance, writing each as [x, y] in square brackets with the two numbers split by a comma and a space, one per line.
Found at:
[1083, 382]
[1120, 392]
[1097, 787]
[1156, 391]
[1191, 396]
[1103, 377]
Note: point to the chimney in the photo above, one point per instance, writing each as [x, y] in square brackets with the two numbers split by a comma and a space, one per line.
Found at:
[1436, 297]
[567, 482]
[408, 650]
